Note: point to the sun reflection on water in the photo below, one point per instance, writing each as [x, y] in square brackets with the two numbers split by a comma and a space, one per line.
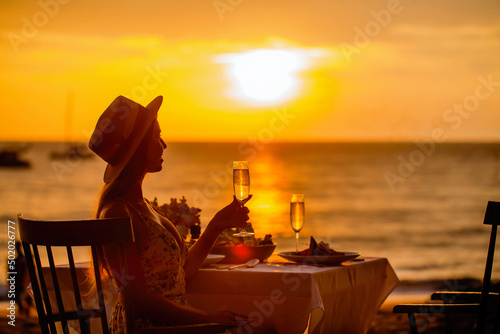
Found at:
[269, 208]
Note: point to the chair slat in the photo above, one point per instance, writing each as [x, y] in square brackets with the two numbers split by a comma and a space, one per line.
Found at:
[76, 290]
[481, 317]
[34, 284]
[57, 289]
[100, 295]
[48, 313]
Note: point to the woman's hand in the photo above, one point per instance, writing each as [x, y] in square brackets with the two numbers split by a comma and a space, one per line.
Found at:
[233, 215]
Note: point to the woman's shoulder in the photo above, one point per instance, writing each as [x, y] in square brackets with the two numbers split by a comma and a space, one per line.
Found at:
[115, 209]
[118, 208]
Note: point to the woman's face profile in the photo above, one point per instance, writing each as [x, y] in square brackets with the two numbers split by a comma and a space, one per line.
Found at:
[155, 150]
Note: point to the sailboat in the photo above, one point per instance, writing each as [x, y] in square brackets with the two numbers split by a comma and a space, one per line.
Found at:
[71, 150]
[9, 157]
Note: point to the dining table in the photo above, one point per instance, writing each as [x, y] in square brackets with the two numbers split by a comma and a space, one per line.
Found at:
[298, 297]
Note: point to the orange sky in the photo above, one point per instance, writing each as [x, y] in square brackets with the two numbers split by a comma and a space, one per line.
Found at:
[369, 70]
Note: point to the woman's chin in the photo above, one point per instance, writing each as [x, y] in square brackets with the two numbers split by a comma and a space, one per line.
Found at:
[156, 169]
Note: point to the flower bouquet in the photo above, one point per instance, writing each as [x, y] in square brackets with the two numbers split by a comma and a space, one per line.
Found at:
[179, 213]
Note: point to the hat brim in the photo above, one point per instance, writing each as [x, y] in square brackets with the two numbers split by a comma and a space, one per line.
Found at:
[112, 171]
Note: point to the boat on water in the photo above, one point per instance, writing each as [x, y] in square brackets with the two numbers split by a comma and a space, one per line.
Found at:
[71, 150]
[10, 158]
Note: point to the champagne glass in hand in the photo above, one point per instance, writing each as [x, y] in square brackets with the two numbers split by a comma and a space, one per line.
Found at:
[297, 213]
[241, 185]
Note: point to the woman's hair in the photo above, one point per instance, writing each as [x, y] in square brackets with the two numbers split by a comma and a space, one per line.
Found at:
[110, 191]
[131, 173]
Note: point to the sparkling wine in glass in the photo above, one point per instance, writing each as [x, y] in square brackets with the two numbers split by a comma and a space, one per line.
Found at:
[241, 185]
[241, 180]
[297, 213]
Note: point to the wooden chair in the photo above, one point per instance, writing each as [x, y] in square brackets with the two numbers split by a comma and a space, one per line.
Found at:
[47, 237]
[460, 302]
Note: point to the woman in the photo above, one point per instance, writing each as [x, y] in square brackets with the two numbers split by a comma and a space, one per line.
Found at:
[127, 137]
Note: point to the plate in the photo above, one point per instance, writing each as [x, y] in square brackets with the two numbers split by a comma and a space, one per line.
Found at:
[319, 259]
[212, 258]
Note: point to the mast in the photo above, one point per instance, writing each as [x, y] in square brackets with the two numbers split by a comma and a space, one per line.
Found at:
[68, 126]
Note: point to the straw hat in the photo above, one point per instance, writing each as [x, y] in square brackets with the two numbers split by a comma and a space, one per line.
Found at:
[120, 130]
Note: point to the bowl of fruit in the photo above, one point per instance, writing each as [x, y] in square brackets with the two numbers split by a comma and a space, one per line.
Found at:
[242, 249]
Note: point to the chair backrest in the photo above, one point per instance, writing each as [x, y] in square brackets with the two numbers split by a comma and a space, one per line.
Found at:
[72, 307]
[491, 217]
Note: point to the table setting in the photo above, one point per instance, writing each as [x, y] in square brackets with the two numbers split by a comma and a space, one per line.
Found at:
[314, 290]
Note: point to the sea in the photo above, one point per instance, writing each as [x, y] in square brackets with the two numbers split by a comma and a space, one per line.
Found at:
[419, 204]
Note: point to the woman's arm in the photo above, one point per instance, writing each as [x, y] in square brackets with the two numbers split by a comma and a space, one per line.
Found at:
[233, 215]
[145, 303]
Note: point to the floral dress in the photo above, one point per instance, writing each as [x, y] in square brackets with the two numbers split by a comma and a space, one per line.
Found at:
[163, 264]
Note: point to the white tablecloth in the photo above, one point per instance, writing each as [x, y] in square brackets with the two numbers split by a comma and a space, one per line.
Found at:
[339, 299]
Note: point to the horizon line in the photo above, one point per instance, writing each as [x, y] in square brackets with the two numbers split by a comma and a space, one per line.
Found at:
[284, 141]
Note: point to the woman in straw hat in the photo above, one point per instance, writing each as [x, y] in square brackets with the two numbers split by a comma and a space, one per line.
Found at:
[127, 137]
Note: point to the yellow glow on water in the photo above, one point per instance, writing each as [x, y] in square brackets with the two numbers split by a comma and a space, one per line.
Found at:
[269, 210]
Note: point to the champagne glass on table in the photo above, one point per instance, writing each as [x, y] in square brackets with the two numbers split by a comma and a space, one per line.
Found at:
[241, 185]
[297, 213]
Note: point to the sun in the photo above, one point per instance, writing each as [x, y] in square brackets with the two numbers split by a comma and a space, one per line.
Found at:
[264, 76]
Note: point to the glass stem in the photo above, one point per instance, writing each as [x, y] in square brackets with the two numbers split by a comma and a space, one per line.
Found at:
[297, 241]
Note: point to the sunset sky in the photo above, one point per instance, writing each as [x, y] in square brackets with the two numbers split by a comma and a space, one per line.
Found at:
[289, 70]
